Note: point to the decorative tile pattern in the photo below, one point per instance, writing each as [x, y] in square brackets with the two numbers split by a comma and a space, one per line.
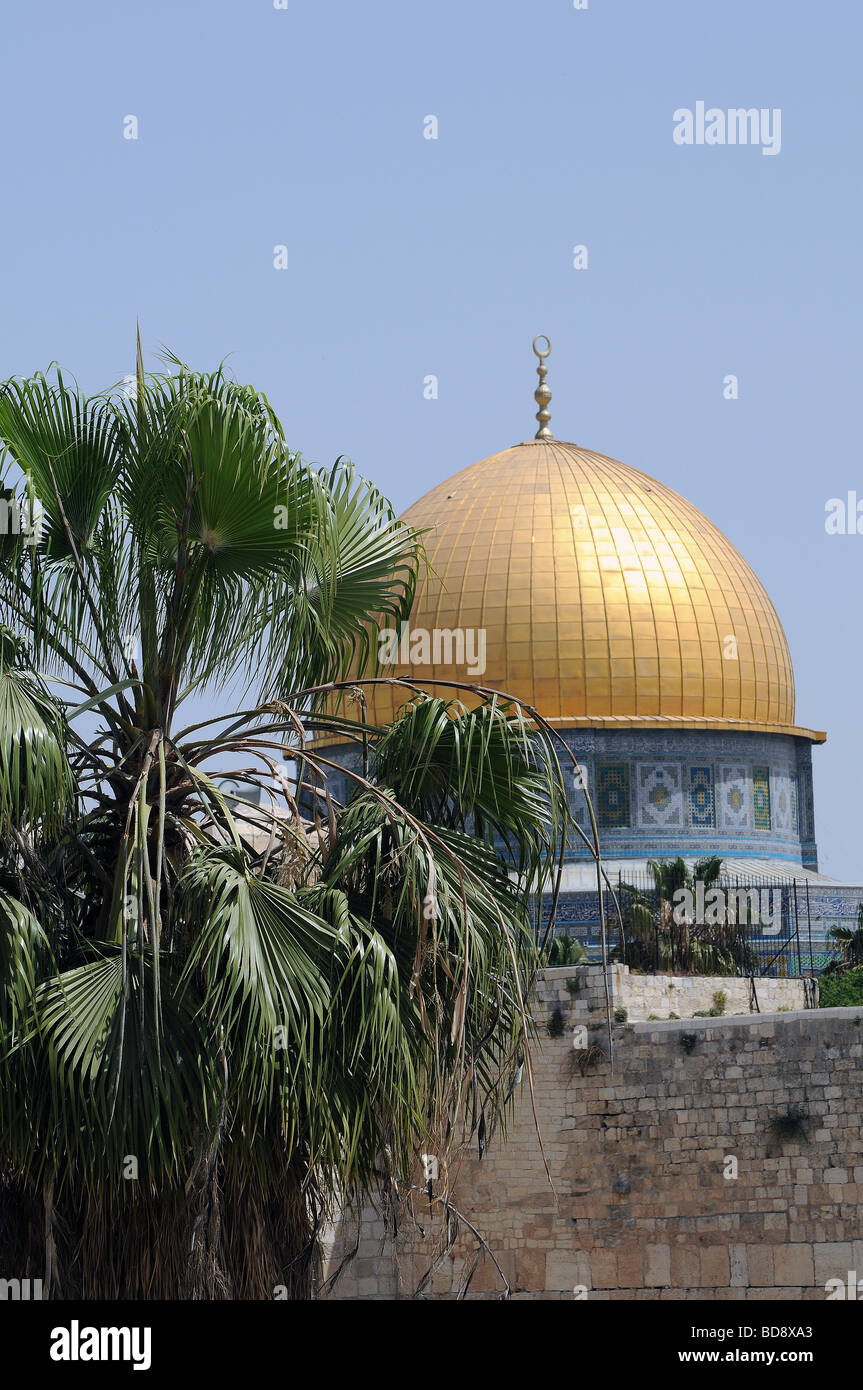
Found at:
[581, 786]
[733, 798]
[660, 794]
[714, 764]
[780, 801]
[761, 797]
[806, 809]
[702, 809]
[612, 785]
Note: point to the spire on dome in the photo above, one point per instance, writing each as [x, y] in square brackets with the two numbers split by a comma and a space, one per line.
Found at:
[542, 394]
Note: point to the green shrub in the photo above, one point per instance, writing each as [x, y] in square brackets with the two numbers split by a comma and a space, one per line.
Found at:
[842, 989]
[620, 1015]
[565, 950]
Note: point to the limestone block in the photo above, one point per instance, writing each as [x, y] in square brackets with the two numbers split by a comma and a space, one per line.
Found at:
[793, 1264]
[833, 1259]
[657, 1266]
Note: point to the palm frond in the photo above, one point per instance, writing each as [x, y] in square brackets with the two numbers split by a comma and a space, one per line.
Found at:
[36, 784]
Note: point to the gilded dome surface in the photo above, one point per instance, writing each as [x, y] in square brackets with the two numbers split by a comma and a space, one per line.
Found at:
[606, 599]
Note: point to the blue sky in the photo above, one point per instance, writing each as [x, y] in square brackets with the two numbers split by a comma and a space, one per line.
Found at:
[304, 127]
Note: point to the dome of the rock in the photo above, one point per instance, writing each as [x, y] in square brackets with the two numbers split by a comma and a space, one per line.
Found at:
[614, 607]
[605, 598]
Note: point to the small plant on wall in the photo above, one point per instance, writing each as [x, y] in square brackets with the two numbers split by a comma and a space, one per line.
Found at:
[590, 1057]
[556, 1026]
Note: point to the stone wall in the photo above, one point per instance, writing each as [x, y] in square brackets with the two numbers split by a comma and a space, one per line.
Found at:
[683, 995]
[719, 1158]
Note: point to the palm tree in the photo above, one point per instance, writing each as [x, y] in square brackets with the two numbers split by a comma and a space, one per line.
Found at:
[218, 1019]
[659, 939]
[850, 942]
[564, 950]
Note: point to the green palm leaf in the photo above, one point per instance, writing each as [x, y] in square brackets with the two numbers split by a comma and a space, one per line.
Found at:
[24, 951]
[36, 784]
[71, 449]
[258, 952]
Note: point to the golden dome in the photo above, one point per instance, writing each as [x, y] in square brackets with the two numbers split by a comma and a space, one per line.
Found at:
[606, 598]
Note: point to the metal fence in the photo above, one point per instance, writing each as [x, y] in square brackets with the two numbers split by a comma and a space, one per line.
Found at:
[742, 927]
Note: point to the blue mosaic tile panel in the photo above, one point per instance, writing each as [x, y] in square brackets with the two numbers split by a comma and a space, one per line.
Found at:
[716, 784]
[806, 810]
[702, 809]
[659, 794]
[612, 789]
[733, 797]
[761, 797]
[780, 801]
